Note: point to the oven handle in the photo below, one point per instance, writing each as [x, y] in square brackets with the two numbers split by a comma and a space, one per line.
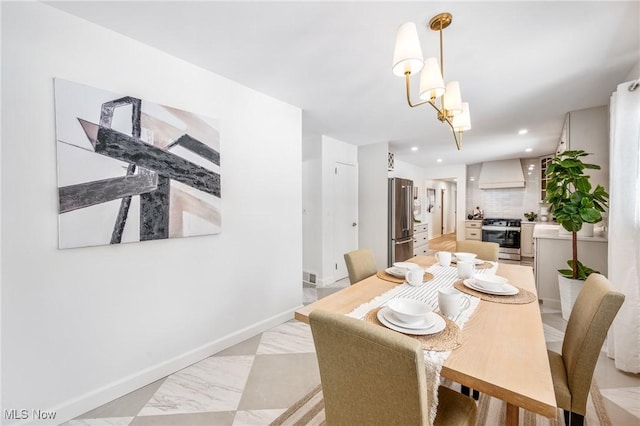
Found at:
[500, 228]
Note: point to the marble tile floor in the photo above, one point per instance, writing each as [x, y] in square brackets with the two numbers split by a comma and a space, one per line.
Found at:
[253, 382]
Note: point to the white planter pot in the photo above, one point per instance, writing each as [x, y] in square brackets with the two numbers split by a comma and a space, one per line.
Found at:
[569, 289]
[585, 231]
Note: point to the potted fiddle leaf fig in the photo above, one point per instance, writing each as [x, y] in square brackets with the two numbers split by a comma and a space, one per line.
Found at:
[574, 202]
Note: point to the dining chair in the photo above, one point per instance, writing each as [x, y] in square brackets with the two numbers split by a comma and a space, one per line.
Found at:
[484, 249]
[371, 375]
[361, 264]
[572, 370]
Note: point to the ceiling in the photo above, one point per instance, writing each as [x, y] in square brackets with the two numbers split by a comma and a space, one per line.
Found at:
[520, 64]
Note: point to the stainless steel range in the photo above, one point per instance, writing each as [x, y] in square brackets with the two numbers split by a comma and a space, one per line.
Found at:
[505, 232]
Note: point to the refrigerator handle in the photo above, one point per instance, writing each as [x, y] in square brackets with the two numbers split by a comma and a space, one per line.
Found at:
[399, 243]
[409, 207]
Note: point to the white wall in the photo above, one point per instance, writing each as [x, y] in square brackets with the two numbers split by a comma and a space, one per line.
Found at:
[312, 204]
[83, 326]
[373, 200]
[589, 130]
[634, 73]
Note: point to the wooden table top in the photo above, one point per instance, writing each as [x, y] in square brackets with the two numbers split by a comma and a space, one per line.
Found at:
[503, 352]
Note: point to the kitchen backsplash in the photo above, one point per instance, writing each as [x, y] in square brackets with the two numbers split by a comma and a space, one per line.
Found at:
[509, 202]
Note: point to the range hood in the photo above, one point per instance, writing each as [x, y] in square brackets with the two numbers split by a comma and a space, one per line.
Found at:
[501, 174]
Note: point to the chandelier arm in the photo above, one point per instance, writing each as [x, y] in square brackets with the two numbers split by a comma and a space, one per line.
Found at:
[457, 136]
[441, 113]
[407, 83]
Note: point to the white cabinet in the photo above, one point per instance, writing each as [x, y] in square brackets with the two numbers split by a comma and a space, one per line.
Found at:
[421, 240]
[552, 253]
[526, 239]
[473, 230]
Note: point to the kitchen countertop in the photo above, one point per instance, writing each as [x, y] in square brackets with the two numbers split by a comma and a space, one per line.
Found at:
[552, 231]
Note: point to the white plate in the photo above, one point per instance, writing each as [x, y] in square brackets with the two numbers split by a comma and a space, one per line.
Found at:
[437, 327]
[507, 289]
[395, 272]
[427, 321]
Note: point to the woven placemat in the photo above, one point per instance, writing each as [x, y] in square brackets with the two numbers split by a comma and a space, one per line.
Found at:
[523, 296]
[447, 340]
[485, 265]
[388, 277]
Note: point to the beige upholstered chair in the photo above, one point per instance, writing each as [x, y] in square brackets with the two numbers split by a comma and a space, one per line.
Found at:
[361, 264]
[484, 249]
[374, 376]
[593, 312]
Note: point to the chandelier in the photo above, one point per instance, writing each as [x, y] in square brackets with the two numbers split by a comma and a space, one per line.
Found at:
[445, 98]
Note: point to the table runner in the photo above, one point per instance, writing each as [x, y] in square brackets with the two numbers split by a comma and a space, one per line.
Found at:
[444, 277]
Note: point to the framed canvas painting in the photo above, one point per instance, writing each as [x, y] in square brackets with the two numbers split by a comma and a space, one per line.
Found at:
[431, 199]
[131, 170]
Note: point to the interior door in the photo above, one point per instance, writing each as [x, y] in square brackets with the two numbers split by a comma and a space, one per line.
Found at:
[345, 219]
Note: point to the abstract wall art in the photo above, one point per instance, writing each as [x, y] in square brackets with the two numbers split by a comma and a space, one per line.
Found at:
[131, 170]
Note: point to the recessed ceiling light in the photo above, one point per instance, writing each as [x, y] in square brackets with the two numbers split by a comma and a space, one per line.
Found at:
[528, 150]
[528, 173]
[439, 160]
[523, 131]
[472, 178]
[414, 148]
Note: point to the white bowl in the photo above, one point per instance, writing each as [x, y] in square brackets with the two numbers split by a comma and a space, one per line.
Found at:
[406, 265]
[408, 310]
[403, 267]
[462, 256]
[490, 282]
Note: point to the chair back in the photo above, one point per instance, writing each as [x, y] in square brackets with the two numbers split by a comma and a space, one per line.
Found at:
[370, 375]
[484, 249]
[593, 312]
[361, 264]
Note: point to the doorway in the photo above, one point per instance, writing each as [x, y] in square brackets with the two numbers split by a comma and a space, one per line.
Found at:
[345, 218]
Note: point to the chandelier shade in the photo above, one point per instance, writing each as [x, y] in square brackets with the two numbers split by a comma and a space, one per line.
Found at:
[408, 60]
[431, 82]
[462, 122]
[452, 99]
[407, 56]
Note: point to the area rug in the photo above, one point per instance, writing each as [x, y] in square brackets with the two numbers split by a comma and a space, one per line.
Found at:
[309, 411]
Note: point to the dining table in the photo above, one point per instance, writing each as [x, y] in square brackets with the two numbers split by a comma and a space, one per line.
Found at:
[502, 350]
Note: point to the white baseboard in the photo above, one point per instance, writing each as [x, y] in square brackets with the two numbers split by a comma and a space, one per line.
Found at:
[97, 397]
[324, 282]
[551, 303]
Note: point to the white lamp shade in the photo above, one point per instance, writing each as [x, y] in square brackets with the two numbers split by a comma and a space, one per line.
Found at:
[431, 82]
[462, 122]
[452, 100]
[407, 55]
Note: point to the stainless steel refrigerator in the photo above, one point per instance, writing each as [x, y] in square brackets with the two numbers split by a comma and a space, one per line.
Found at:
[400, 220]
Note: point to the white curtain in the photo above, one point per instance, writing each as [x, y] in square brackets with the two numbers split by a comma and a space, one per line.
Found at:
[623, 342]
